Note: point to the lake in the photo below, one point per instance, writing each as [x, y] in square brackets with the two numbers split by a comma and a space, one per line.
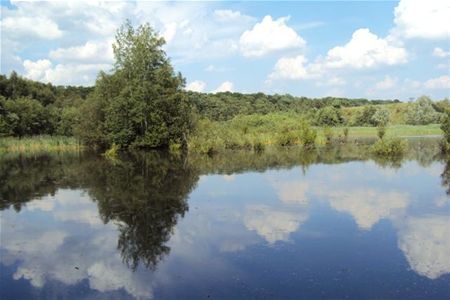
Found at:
[335, 223]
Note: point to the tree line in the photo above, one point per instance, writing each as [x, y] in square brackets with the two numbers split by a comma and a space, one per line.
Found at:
[142, 102]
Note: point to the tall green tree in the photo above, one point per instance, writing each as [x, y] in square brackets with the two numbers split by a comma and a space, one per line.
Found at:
[141, 103]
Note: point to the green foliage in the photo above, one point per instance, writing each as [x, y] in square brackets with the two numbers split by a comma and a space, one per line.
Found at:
[381, 131]
[328, 133]
[389, 147]
[380, 117]
[141, 104]
[445, 127]
[364, 117]
[422, 112]
[328, 116]
[25, 116]
[346, 132]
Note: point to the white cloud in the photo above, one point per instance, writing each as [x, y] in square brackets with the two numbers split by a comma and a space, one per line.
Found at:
[32, 26]
[439, 52]
[196, 86]
[442, 82]
[269, 36]
[36, 70]
[273, 225]
[226, 86]
[387, 83]
[292, 192]
[422, 19]
[91, 51]
[74, 74]
[227, 15]
[426, 244]
[367, 206]
[290, 68]
[365, 50]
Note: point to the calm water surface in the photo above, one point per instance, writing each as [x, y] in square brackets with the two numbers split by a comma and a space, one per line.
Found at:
[336, 224]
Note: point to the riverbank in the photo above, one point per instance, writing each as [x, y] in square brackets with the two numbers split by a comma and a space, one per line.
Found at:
[41, 143]
[231, 135]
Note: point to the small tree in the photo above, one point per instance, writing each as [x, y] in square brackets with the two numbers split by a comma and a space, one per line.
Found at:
[328, 116]
[422, 112]
[381, 116]
[141, 103]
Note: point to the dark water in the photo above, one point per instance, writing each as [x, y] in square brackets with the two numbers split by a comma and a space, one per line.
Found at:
[332, 224]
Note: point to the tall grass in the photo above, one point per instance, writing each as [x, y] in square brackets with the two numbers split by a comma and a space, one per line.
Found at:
[41, 143]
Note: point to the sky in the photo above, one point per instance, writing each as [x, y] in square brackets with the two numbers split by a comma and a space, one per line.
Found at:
[359, 49]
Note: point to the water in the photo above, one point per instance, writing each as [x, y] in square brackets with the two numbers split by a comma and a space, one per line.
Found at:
[284, 224]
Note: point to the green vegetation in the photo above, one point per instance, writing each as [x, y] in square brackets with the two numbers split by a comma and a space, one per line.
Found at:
[37, 144]
[388, 147]
[141, 103]
[445, 127]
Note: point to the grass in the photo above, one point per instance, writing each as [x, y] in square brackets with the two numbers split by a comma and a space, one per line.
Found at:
[255, 132]
[392, 130]
[41, 143]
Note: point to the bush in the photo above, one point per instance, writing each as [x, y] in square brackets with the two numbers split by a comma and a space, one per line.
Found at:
[308, 135]
[445, 126]
[389, 147]
[381, 131]
[381, 116]
[364, 117]
[328, 116]
[422, 112]
[287, 138]
[328, 133]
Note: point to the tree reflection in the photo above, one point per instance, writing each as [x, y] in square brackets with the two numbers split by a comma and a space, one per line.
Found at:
[145, 194]
[446, 176]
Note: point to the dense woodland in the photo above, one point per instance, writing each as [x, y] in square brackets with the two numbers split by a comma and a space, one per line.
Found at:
[142, 103]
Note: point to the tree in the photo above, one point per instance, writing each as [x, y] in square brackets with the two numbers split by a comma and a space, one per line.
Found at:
[381, 116]
[141, 104]
[328, 116]
[422, 112]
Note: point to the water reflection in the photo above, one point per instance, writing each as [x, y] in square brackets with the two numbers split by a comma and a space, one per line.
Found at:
[122, 228]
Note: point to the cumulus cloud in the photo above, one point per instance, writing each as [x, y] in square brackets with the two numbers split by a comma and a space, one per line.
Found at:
[387, 83]
[442, 82]
[426, 244]
[226, 86]
[291, 68]
[268, 36]
[32, 26]
[367, 206]
[91, 51]
[365, 50]
[271, 224]
[196, 86]
[439, 52]
[422, 19]
[75, 74]
[292, 192]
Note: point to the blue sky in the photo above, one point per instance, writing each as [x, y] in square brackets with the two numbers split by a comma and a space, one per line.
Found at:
[371, 49]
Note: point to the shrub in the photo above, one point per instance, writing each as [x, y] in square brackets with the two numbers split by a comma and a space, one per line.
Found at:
[364, 117]
[389, 147]
[381, 131]
[328, 133]
[308, 135]
[259, 147]
[328, 116]
[287, 138]
[346, 131]
[445, 126]
[422, 112]
[380, 117]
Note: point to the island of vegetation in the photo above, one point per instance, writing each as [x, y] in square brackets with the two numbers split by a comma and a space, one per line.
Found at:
[142, 104]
